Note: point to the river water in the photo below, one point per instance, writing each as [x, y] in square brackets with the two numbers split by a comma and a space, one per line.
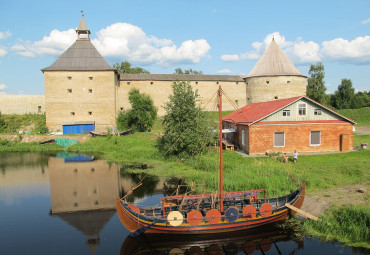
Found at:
[65, 204]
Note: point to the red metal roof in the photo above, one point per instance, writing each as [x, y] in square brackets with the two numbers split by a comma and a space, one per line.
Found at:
[255, 111]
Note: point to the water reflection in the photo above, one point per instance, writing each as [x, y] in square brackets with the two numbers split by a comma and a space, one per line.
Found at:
[261, 241]
[79, 194]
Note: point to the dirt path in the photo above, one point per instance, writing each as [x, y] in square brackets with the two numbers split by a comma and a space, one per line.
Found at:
[363, 130]
[317, 202]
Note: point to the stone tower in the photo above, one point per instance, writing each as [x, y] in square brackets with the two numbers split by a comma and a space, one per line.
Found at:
[80, 88]
[274, 77]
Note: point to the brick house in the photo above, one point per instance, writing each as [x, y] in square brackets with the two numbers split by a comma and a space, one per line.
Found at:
[297, 123]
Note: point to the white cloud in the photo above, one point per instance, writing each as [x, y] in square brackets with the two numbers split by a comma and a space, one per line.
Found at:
[298, 51]
[366, 21]
[3, 51]
[54, 44]
[5, 35]
[228, 71]
[3, 86]
[132, 43]
[230, 58]
[356, 51]
[121, 40]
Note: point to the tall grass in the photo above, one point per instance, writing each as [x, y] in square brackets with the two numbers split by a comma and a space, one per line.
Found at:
[358, 139]
[350, 225]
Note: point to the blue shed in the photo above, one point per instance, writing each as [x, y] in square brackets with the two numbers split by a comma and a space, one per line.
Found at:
[82, 127]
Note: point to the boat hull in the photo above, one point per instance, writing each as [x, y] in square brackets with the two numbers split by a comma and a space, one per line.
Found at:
[134, 221]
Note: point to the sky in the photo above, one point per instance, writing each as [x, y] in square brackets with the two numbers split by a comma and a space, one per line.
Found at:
[212, 36]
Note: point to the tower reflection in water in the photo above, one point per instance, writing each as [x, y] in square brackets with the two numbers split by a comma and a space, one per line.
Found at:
[83, 192]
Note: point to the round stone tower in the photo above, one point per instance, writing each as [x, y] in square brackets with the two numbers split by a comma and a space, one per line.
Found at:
[274, 77]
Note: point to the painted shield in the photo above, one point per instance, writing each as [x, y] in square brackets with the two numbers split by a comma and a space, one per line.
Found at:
[249, 247]
[196, 250]
[232, 214]
[266, 210]
[249, 212]
[214, 249]
[194, 217]
[265, 245]
[213, 216]
[175, 218]
[134, 208]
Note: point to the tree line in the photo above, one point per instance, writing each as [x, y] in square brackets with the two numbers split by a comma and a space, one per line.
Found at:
[344, 97]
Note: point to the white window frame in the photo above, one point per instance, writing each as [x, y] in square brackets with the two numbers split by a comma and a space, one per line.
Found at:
[305, 109]
[287, 113]
[243, 138]
[317, 112]
[311, 137]
[283, 139]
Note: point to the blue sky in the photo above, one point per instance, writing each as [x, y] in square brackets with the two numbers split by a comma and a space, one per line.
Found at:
[216, 37]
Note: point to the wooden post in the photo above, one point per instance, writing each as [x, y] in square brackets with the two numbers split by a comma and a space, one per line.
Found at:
[301, 212]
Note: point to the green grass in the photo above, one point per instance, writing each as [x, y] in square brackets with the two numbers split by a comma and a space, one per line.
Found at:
[15, 122]
[360, 116]
[6, 145]
[350, 225]
[360, 138]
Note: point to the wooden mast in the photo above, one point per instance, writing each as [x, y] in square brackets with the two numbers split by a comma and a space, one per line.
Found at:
[221, 165]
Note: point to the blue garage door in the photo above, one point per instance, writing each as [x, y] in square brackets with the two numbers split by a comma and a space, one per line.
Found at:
[78, 129]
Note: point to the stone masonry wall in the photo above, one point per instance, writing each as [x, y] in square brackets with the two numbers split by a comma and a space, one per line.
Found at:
[80, 96]
[22, 104]
[263, 89]
[159, 91]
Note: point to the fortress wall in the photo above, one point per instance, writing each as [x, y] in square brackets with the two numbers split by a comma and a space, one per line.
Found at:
[159, 91]
[22, 104]
[263, 89]
[80, 96]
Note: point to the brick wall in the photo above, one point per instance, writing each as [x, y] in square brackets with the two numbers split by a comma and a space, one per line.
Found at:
[297, 137]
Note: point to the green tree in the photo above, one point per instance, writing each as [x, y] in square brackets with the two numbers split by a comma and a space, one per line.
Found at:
[142, 114]
[343, 98]
[2, 124]
[186, 126]
[187, 71]
[125, 67]
[316, 89]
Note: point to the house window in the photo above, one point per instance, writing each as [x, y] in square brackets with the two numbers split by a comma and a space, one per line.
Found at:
[317, 112]
[72, 113]
[243, 138]
[288, 82]
[237, 83]
[276, 97]
[279, 139]
[90, 90]
[237, 102]
[286, 113]
[121, 108]
[69, 90]
[91, 77]
[301, 109]
[90, 113]
[151, 83]
[196, 83]
[128, 83]
[315, 138]
[217, 83]
[69, 77]
[267, 82]
[39, 109]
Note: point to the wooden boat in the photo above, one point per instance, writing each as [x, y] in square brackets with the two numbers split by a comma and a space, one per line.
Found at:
[95, 133]
[209, 213]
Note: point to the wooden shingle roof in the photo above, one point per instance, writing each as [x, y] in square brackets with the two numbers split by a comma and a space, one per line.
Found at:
[81, 56]
[181, 77]
[274, 63]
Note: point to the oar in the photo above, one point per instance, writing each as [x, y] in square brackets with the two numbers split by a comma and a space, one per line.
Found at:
[142, 230]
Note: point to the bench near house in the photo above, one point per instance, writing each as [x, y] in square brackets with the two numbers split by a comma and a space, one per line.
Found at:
[297, 123]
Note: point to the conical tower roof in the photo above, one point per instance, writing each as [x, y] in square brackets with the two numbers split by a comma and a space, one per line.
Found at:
[274, 63]
[81, 56]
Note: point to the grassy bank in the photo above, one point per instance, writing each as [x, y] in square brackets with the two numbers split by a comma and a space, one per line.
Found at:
[361, 116]
[360, 138]
[318, 171]
[350, 225]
